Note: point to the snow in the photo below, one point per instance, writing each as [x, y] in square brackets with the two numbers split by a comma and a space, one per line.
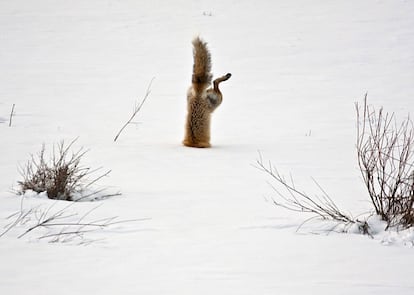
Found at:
[76, 69]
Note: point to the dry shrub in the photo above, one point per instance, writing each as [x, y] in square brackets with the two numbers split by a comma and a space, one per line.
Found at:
[62, 177]
[385, 152]
[385, 157]
[320, 206]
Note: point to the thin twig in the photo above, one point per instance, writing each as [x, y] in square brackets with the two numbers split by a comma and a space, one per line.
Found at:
[137, 108]
[11, 115]
[62, 220]
[293, 199]
[60, 234]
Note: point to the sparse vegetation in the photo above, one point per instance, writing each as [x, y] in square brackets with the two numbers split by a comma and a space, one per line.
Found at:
[62, 176]
[58, 222]
[135, 111]
[385, 156]
[319, 206]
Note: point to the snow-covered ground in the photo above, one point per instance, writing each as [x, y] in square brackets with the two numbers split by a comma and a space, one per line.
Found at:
[76, 68]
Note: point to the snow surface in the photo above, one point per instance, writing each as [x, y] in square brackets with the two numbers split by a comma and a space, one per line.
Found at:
[76, 68]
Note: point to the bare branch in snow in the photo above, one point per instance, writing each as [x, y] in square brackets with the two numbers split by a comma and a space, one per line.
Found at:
[137, 108]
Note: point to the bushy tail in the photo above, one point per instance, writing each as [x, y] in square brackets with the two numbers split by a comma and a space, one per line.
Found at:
[202, 65]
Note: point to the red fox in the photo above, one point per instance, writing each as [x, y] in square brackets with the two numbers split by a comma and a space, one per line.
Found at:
[201, 100]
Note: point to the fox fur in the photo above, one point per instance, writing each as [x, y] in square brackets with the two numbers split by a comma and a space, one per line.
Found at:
[202, 99]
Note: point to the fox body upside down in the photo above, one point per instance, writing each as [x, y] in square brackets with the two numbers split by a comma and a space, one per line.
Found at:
[201, 100]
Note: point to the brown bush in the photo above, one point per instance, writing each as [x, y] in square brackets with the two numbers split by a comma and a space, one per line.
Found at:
[62, 177]
[385, 158]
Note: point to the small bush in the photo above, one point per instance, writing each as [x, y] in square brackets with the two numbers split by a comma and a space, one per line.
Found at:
[62, 177]
[385, 157]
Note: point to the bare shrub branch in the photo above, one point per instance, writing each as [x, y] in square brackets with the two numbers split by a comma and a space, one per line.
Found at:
[62, 177]
[58, 225]
[11, 115]
[137, 108]
[385, 153]
[293, 199]
[385, 158]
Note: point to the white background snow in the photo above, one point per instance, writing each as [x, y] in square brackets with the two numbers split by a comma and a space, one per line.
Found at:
[76, 68]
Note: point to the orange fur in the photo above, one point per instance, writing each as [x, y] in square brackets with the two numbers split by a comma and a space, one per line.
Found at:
[201, 100]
